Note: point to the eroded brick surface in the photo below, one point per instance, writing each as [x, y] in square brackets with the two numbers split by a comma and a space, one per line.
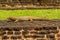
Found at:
[34, 31]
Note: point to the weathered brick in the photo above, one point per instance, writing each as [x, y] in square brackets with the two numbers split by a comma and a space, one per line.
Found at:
[50, 28]
[2, 33]
[34, 32]
[53, 28]
[16, 29]
[10, 32]
[17, 32]
[38, 28]
[25, 32]
[41, 39]
[58, 38]
[5, 37]
[43, 32]
[18, 37]
[45, 28]
[52, 39]
[9, 29]
[54, 31]
[50, 36]
[34, 36]
[27, 28]
[40, 36]
[58, 35]
[13, 37]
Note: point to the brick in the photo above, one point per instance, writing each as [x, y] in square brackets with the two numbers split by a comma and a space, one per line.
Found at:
[45, 28]
[41, 39]
[25, 32]
[27, 36]
[50, 36]
[2, 29]
[27, 28]
[13, 37]
[53, 28]
[34, 32]
[40, 36]
[54, 31]
[58, 35]
[2, 33]
[49, 28]
[17, 32]
[18, 37]
[41, 32]
[10, 32]
[5, 37]
[44, 32]
[34, 36]
[16, 29]
[9, 29]
[38, 28]
[58, 38]
[52, 39]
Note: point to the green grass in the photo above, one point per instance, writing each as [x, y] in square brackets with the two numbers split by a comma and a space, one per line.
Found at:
[44, 13]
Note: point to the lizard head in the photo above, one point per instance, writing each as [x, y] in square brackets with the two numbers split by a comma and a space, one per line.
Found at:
[12, 18]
